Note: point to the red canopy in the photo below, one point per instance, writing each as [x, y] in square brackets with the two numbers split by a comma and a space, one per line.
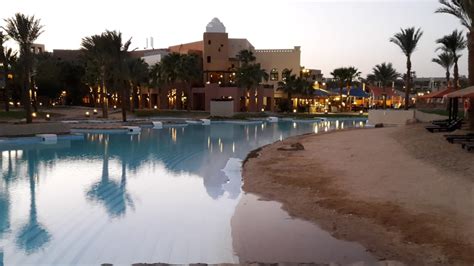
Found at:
[464, 93]
[378, 92]
[438, 94]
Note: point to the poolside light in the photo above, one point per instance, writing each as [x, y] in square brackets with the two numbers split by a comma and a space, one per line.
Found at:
[263, 109]
[88, 114]
[155, 107]
[33, 114]
[94, 112]
[11, 103]
[40, 104]
[361, 112]
[325, 111]
[18, 103]
[294, 110]
[48, 117]
[54, 104]
[115, 107]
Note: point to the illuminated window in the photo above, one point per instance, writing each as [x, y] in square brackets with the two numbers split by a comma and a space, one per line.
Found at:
[274, 74]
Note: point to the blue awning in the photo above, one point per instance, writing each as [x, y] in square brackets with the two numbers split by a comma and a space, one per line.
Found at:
[354, 92]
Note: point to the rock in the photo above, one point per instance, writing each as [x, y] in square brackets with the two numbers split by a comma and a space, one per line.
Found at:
[293, 147]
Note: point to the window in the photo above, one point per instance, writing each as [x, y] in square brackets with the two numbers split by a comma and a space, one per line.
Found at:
[208, 59]
[274, 74]
[209, 42]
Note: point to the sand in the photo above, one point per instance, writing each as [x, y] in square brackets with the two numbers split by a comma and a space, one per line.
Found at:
[405, 194]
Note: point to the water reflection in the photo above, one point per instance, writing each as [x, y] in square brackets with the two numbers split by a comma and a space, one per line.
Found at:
[108, 192]
[175, 187]
[33, 235]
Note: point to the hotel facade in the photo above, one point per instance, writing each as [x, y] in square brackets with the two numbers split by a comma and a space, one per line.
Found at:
[218, 54]
[219, 62]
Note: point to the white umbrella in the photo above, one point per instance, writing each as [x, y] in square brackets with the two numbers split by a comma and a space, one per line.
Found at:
[467, 92]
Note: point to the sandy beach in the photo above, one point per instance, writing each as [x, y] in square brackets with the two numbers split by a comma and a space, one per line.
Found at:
[403, 193]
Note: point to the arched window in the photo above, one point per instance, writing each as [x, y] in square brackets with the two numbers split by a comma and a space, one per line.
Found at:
[274, 74]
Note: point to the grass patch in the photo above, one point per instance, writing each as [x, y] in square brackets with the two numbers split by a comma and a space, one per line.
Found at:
[18, 115]
[171, 113]
[440, 112]
[311, 116]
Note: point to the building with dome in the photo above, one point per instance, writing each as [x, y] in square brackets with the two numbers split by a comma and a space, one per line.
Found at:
[218, 54]
[219, 57]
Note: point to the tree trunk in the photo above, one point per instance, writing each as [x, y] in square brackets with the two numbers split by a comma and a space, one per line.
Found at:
[455, 74]
[408, 83]
[448, 77]
[470, 43]
[26, 98]
[5, 98]
[135, 99]
[471, 114]
[384, 95]
[124, 102]
[104, 98]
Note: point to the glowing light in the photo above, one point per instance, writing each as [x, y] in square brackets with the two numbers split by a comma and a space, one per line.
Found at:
[95, 111]
[155, 107]
[361, 112]
[294, 110]
[33, 115]
[263, 109]
[48, 117]
[87, 114]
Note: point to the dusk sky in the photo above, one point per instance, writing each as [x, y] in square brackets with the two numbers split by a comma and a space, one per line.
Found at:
[331, 33]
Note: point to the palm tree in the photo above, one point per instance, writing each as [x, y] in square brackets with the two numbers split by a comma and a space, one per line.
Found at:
[288, 86]
[385, 73]
[138, 75]
[445, 60]
[96, 53]
[407, 39]
[340, 75]
[250, 75]
[189, 71]
[158, 80]
[453, 44]
[25, 30]
[246, 57]
[118, 58]
[8, 60]
[352, 73]
[464, 11]
[170, 67]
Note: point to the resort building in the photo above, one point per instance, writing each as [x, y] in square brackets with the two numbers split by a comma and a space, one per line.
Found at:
[218, 54]
[219, 65]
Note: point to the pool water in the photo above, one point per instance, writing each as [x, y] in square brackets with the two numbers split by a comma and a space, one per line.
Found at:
[165, 195]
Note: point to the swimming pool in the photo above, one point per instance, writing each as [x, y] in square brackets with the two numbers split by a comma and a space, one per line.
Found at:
[165, 195]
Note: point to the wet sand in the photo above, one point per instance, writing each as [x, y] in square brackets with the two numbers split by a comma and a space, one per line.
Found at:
[403, 193]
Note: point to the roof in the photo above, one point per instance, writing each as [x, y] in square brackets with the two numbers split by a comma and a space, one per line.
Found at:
[378, 92]
[438, 94]
[464, 93]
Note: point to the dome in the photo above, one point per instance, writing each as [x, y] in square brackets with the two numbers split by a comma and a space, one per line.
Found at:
[215, 26]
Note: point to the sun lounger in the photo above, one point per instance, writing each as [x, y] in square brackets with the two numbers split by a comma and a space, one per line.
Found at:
[456, 124]
[440, 122]
[459, 138]
[469, 146]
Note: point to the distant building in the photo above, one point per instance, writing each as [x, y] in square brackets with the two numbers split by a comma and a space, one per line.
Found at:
[37, 48]
[218, 54]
